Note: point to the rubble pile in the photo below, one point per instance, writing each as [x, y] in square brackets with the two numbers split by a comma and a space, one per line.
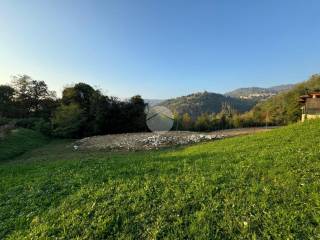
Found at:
[144, 141]
[157, 141]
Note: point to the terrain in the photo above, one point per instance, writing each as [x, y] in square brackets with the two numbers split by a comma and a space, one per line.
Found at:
[241, 100]
[153, 102]
[205, 102]
[156, 140]
[258, 93]
[284, 108]
[261, 186]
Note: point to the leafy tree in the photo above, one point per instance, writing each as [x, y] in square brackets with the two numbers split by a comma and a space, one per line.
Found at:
[38, 91]
[21, 85]
[203, 122]
[6, 101]
[186, 121]
[30, 96]
[68, 121]
[136, 114]
[81, 94]
[99, 109]
[177, 121]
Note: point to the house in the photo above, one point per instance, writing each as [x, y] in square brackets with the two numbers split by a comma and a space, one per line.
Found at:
[311, 106]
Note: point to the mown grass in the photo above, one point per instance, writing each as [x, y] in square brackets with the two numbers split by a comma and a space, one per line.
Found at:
[19, 141]
[264, 186]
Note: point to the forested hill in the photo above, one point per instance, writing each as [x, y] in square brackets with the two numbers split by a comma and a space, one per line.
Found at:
[206, 102]
[284, 108]
[258, 92]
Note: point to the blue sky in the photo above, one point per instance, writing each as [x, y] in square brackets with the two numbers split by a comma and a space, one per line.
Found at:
[162, 48]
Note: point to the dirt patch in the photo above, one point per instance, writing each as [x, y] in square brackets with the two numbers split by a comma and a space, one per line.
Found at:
[148, 141]
[243, 131]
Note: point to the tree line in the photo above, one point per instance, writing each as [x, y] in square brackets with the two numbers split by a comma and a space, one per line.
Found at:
[84, 111]
[81, 111]
[285, 108]
[281, 109]
[227, 118]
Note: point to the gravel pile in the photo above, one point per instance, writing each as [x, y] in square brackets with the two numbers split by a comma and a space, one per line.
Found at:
[143, 141]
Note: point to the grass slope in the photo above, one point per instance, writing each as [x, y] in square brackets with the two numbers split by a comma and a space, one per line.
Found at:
[264, 186]
[19, 141]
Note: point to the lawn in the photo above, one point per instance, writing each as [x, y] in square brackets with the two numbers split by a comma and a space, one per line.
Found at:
[263, 186]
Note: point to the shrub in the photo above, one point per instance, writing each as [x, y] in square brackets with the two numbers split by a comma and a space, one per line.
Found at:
[4, 121]
[68, 121]
[42, 126]
[26, 123]
[37, 124]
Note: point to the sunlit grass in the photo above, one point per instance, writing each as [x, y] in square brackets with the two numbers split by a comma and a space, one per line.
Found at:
[261, 186]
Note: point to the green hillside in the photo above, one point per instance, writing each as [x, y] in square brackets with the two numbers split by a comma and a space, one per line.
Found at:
[284, 108]
[19, 141]
[263, 186]
[205, 102]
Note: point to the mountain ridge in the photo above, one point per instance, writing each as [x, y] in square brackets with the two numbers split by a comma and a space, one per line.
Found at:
[259, 92]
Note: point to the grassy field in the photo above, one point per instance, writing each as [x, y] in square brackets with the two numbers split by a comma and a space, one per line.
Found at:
[20, 141]
[263, 186]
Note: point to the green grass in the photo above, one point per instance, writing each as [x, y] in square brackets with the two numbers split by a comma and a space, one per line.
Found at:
[19, 141]
[264, 186]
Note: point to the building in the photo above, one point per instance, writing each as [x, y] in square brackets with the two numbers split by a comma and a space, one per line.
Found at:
[311, 106]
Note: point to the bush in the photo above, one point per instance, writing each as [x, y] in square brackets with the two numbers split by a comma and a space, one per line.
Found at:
[43, 126]
[26, 123]
[37, 124]
[4, 121]
[68, 121]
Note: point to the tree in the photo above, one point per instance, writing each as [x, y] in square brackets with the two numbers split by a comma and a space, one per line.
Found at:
[30, 95]
[68, 121]
[23, 99]
[203, 122]
[99, 111]
[80, 93]
[186, 121]
[6, 101]
[177, 121]
[137, 116]
[38, 91]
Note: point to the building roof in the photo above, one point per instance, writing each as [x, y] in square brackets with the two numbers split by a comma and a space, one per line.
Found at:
[314, 93]
[309, 95]
[303, 98]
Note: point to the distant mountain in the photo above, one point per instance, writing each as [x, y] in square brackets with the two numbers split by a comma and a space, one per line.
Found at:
[258, 93]
[282, 88]
[205, 102]
[153, 102]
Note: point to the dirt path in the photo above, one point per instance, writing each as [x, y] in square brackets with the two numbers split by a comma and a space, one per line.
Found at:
[243, 131]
